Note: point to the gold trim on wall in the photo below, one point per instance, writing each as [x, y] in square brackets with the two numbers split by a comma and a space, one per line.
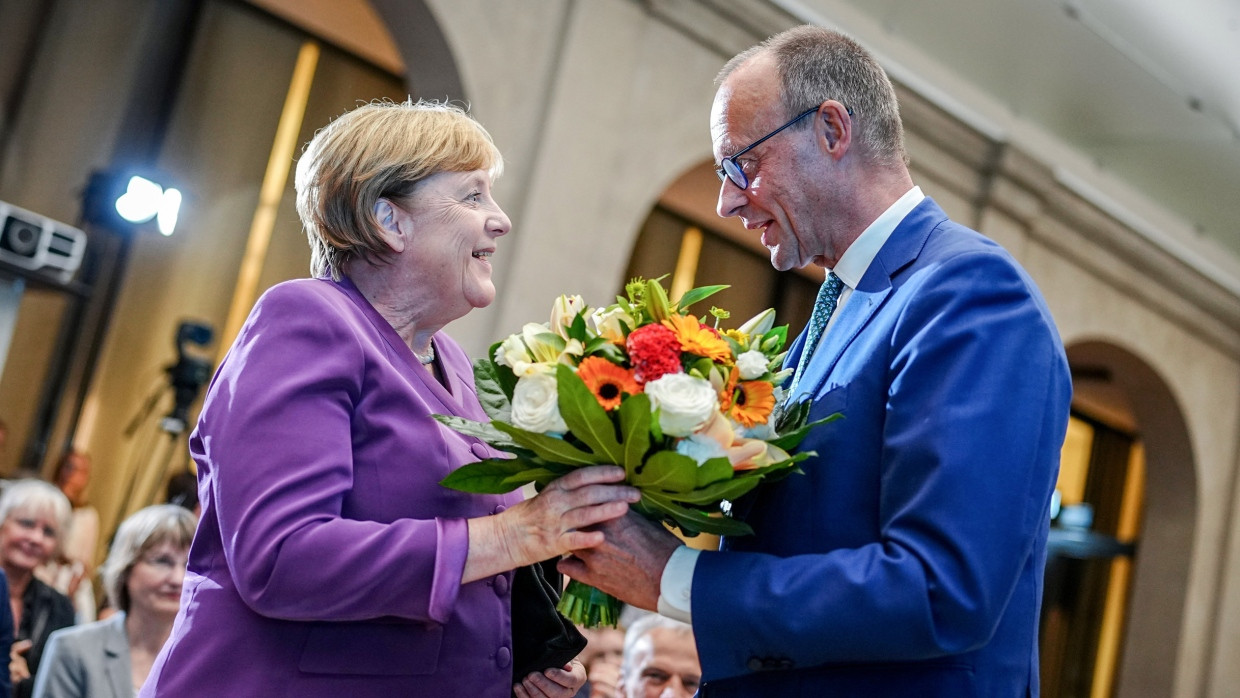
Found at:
[274, 180]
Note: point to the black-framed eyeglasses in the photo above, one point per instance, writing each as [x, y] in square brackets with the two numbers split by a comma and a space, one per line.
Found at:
[728, 167]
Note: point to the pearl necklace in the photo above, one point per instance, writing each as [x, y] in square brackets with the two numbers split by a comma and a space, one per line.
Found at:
[426, 358]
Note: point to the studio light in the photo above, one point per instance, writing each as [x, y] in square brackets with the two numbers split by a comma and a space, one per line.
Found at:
[125, 200]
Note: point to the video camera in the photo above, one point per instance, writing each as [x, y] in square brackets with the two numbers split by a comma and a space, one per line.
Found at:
[188, 374]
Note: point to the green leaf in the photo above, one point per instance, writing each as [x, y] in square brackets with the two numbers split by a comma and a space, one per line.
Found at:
[690, 521]
[790, 416]
[479, 430]
[727, 489]
[587, 419]
[539, 476]
[667, 470]
[793, 438]
[549, 447]
[775, 339]
[503, 374]
[495, 402]
[713, 471]
[577, 328]
[490, 476]
[696, 295]
[635, 431]
[596, 345]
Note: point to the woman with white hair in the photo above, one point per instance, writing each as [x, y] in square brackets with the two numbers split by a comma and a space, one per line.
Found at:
[34, 516]
[142, 575]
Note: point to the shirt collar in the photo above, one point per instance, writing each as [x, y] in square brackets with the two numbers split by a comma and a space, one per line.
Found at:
[857, 258]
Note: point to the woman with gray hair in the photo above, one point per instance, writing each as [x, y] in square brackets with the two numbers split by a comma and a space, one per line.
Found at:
[328, 554]
[34, 516]
[142, 576]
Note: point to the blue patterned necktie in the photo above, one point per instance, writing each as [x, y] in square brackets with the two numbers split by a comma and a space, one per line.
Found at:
[824, 306]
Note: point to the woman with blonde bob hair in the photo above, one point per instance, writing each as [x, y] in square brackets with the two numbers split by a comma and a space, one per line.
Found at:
[328, 556]
[34, 517]
[142, 576]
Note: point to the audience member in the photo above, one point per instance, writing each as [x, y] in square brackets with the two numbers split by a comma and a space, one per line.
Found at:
[33, 515]
[660, 660]
[183, 491]
[601, 658]
[72, 570]
[143, 576]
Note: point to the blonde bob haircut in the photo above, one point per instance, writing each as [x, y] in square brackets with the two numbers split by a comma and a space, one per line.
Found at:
[381, 149]
[143, 530]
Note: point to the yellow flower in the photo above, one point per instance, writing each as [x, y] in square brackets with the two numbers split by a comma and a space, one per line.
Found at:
[698, 339]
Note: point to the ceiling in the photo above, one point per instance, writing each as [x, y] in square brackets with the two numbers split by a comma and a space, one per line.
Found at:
[1135, 101]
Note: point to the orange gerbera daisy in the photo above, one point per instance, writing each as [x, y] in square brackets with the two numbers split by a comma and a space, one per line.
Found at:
[698, 339]
[607, 381]
[752, 402]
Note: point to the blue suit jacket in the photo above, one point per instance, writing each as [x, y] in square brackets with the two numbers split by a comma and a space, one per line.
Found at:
[908, 559]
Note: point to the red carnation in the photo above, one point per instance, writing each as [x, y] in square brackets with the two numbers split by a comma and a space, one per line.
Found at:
[654, 352]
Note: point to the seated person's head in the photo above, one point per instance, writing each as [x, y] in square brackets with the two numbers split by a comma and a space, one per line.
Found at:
[34, 516]
[182, 490]
[146, 563]
[660, 660]
[73, 475]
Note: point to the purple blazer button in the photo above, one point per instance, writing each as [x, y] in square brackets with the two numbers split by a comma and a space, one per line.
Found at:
[501, 585]
[503, 658]
[480, 451]
[498, 508]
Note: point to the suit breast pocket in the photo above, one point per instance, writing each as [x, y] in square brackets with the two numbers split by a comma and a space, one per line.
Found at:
[832, 399]
[376, 649]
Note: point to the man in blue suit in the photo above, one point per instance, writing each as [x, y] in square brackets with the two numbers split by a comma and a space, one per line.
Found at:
[908, 559]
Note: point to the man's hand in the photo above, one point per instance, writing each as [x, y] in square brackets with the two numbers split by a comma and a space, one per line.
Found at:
[629, 563]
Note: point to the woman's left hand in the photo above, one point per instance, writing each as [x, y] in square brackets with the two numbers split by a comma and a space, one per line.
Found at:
[558, 520]
[552, 683]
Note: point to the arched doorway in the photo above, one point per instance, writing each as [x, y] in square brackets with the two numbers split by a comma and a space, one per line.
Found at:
[1115, 606]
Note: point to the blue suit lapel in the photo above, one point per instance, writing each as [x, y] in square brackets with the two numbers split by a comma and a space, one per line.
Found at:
[900, 250]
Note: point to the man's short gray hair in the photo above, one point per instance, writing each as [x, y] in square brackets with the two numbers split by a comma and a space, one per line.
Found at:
[642, 627]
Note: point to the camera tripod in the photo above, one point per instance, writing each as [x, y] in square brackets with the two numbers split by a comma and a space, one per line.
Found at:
[162, 448]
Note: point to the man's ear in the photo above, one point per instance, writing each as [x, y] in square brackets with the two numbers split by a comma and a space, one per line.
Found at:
[835, 128]
[386, 214]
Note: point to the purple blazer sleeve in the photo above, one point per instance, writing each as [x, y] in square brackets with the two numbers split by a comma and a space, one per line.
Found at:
[303, 445]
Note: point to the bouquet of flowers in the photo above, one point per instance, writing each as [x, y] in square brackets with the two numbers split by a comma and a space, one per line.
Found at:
[693, 413]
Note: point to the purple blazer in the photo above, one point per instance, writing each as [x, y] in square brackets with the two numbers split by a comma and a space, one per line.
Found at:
[328, 558]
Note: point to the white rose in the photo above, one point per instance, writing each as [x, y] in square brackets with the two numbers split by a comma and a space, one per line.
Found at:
[684, 402]
[535, 405]
[700, 448]
[752, 364]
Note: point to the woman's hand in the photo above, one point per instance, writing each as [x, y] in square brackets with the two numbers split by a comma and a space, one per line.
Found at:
[552, 683]
[550, 524]
[18, 669]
